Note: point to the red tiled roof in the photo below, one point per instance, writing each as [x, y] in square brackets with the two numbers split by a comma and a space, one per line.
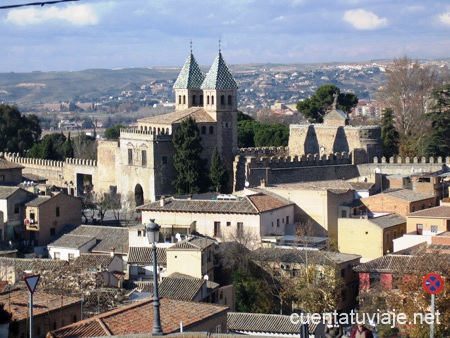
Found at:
[436, 212]
[137, 318]
[16, 302]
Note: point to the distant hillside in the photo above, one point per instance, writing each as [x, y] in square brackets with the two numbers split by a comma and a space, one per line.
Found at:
[46, 87]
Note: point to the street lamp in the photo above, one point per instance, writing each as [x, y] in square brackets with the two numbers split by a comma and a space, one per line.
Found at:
[153, 236]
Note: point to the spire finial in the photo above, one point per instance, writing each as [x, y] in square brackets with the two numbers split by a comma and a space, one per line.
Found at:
[219, 45]
[191, 45]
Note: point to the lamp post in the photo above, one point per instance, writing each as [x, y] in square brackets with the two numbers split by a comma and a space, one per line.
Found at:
[153, 236]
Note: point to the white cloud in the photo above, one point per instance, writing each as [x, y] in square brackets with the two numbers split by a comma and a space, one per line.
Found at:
[444, 18]
[364, 20]
[80, 15]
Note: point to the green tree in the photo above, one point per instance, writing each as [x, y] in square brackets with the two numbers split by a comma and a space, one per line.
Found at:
[315, 107]
[191, 173]
[51, 147]
[246, 133]
[271, 135]
[218, 173]
[113, 133]
[18, 132]
[438, 143]
[67, 148]
[389, 134]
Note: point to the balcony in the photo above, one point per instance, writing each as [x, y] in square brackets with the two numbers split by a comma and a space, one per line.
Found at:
[31, 224]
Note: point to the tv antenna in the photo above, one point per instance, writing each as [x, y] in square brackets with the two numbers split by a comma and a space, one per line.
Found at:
[41, 3]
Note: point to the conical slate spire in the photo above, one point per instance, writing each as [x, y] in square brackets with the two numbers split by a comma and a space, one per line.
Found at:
[190, 77]
[219, 76]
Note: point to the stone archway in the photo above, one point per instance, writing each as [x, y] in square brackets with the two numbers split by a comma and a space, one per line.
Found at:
[138, 195]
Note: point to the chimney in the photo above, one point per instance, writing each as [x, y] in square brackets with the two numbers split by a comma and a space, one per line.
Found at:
[113, 252]
[162, 201]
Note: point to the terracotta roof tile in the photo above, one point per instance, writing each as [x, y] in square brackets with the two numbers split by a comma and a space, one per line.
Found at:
[143, 255]
[197, 113]
[137, 318]
[436, 212]
[4, 164]
[193, 243]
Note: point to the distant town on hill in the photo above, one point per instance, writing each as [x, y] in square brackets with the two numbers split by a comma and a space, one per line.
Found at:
[100, 91]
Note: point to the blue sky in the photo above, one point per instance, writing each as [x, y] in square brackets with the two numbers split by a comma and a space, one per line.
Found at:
[145, 33]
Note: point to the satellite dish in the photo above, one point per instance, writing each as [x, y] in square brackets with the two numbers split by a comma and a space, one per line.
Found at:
[246, 184]
[206, 277]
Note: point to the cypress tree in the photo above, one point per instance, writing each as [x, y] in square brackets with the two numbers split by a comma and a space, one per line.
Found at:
[389, 134]
[218, 173]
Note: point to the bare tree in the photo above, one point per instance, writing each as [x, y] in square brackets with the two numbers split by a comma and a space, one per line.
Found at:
[407, 91]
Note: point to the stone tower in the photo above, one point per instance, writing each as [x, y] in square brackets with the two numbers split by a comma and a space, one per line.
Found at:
[188, 92]
[220, 102]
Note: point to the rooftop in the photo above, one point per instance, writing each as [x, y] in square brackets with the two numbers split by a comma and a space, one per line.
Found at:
[406, 195]
[193, 243]
[143, 255]
[387, 221]
[435, 212]
[4, 164]
[197, 113]
[123, 321]
[334, 186]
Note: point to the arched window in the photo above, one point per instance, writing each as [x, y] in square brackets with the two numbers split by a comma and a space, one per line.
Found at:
[145, 128]
[212, 99]
[184, 99]
[211, 130]
[167, 131]
[230, 102]
[194, 100]
[222, 100]
[207, 99]
[154, 130]
[201, 100]
[203, 130]
[179, 99]
[159, 131]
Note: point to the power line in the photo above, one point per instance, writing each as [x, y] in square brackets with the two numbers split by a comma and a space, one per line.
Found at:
[42, 3]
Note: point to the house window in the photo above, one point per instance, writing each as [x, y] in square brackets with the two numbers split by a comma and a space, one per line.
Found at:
[228, 224]
[144, 158]
[139, 233]
[16, 208]
[164, 160]
[272, 224]
[216, 229]
[71, 257]
[229, 100]
[212, 99]
[130, 156]
[219, 328]
[240, 228]
[194, 100]
[74, 319]
[57, 211]
[57, 255]
[184, 99]
[278, 222]
[434, 228]
[203, 130]
[211, 130]
[344, 213]
[222, 100]
[52, 231]
[179, 99]
[287, 219]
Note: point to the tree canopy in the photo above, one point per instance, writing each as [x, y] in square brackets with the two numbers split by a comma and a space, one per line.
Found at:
[438, 142]
[113, 133]
[192, 176]
[389, 134]
[18, 132]
[52, 147]
[315, 107]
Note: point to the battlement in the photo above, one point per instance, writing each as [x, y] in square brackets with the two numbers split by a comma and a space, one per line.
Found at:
[147, 134]
[414, 160]
[299, 161]
[324, 126]
[16, 158]
[264, 151]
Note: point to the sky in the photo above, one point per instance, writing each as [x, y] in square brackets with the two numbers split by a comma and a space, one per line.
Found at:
[108, 34]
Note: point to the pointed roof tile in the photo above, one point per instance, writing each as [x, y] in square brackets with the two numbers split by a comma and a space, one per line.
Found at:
[219, 76]
[190, 77]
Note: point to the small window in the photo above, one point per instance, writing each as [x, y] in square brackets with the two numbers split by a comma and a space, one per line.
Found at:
[57, 211]
[54, 326]
[203, 130]
[212, 99]
[52, 231]
[230, 102]
[434, 228]
[164, 160]
[74, 319]
[211, 130]
[71, 257]
[272, 224]
[139, 233]
[287, 219]
[344, 213]
[217, 229]
[57, 255]
[130, 156]
[240, 228]
[207, 99]
[343, 273]
[194, 100]
[16, 208]
[278, 222]
[184, 99]
[144, 158]
[222, 100]
[179, 99]
[228, 224]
